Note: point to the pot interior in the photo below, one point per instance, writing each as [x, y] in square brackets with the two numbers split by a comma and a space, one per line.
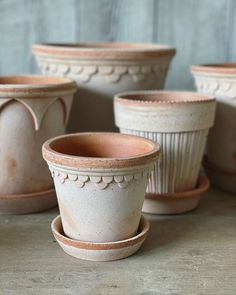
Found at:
[30, 80]
[101, 145]
[162, 97]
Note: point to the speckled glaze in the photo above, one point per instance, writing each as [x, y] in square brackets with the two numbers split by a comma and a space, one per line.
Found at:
[100, 180]
[32, 109]
[100, 251]
[102, 70]
[220, 81]
[179, 122]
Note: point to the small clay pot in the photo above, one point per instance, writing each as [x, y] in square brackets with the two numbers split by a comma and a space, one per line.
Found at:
[33, 109]
[101, 70]
[219, 80]
[100, 180]
[179, 122]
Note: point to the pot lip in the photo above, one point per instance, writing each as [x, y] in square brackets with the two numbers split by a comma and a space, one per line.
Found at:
[58, 233]
[31, 84]
[217, 68]
[120, 50]
[131, 98]
[77, 162]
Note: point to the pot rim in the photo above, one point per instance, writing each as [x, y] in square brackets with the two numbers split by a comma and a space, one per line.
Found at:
[132, 98]
[30, 85]
[217, 68]
[76, 161]
[106, 50]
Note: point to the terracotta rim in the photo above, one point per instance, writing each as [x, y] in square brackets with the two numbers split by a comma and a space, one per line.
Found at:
[210, 166]
[104, 50]
[33, 84]
[202, 186]
[27, 195]
[224, 68]
[59, 235]
[52, 151]
[159, 98]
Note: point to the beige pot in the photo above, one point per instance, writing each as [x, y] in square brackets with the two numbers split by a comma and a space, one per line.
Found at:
[32, 109]
[101, 70]
[100, 180]
[220, 81]
[179, 122]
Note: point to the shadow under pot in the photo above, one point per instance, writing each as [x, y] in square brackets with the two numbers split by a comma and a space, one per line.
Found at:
[101, 70]
[100, 180]
[219, 80]
[32, 109]
[179, 122]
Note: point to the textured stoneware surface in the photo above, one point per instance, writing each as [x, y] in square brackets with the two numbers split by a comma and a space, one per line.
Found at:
[32, 109]
[220, 81]
[175, 203]
[100, 251]
[100, 180]
[102, 70]
[179, 122]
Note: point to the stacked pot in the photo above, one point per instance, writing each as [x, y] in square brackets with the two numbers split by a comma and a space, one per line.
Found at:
[220, 162]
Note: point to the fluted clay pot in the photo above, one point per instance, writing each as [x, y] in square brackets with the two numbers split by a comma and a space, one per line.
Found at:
[32, 109]
[100, 180]
[220, 163]
[179, 122]
[101, 70]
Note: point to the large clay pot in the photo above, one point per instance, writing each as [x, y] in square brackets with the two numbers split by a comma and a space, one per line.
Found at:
[32, 109]
[100, 180]
[179, 122]
[101, 71]
[220, 162]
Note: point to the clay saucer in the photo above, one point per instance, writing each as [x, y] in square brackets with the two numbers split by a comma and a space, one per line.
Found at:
[175, 203]
[225, 180]
[28, 203]
[100, 251]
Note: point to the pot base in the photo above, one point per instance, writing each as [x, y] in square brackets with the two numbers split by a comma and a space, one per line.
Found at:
[221, 179]
[100, 251]
[175, 203]
[28, 203]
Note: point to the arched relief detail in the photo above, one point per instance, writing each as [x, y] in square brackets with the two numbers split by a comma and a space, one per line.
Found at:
[38, 107]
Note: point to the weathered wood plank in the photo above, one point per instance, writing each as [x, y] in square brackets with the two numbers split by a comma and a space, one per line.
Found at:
[199, 31]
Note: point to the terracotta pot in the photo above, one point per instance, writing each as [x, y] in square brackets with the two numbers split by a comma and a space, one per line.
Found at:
[100, 180]
[102, 70]
[33, 109]
[220, 81]
[179, 122]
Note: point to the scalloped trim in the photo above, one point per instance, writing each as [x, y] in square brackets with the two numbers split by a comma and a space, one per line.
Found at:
[100, 182]
[111, 73]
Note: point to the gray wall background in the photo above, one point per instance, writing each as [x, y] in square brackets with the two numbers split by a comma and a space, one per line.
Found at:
[203, 31]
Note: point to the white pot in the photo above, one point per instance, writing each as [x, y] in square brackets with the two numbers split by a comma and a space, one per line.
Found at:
[179, 122]
[100, 180]
[220, 81]
[33, 109]
[101, 70]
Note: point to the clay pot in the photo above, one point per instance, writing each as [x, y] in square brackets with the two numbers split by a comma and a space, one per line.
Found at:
[179, 122]
[220, 81]
[33, 109]
[102, 70]
[100, 180]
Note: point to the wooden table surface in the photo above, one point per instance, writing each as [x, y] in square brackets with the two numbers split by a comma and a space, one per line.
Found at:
[194, 253]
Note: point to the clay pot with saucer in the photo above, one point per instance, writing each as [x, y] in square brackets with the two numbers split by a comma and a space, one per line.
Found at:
[179, 122]
[219, 80]
[100, 180]
[101, 70]
[32, 109]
